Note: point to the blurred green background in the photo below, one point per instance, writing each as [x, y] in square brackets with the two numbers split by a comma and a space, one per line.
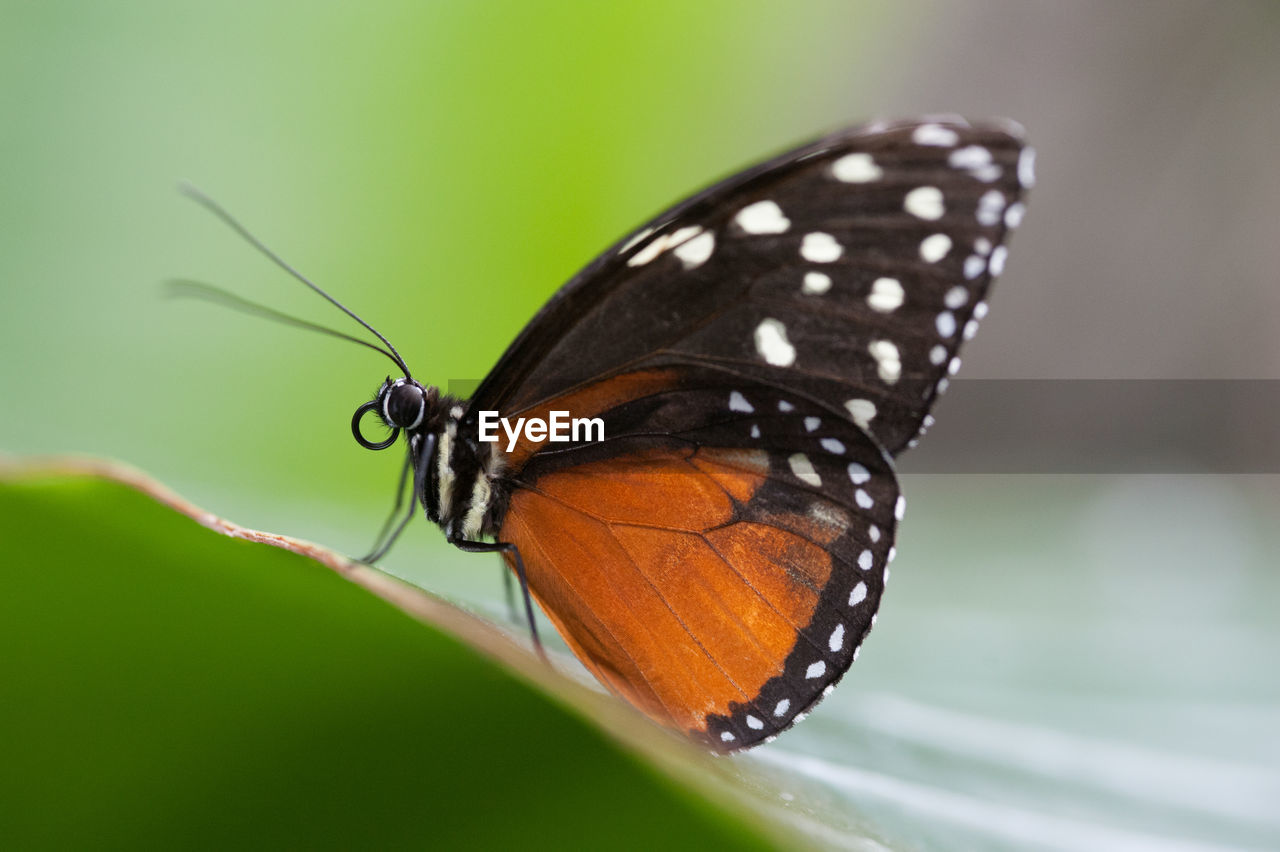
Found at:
[1082, 658]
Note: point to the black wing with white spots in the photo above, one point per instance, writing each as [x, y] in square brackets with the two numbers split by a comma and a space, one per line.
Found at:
[847, 272]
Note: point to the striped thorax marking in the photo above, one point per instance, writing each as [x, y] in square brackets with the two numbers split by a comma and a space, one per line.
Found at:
[444, 470]
[464, 481]
[491, 465]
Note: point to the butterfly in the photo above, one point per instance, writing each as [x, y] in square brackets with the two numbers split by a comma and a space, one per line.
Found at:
[757, 356]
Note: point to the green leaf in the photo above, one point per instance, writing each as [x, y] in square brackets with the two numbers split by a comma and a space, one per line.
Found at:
[164, 686]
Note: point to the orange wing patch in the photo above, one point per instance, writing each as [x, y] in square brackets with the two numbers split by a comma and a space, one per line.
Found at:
[655, 487]
[667, 598]
[591, 401]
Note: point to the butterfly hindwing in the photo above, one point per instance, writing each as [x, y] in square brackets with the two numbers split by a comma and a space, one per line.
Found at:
[847, 272]
[718, 558]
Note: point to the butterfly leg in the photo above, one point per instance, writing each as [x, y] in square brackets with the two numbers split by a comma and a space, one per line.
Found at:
[509, 593]
[383, 543]
[507, 547]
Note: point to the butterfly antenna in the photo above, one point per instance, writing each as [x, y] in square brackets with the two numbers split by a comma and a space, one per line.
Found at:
[189, 289]
[230, 221]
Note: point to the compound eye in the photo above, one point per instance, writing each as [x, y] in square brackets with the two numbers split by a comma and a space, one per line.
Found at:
[404, 406]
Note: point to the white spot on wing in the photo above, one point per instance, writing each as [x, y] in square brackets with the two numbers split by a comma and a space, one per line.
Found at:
[946, 323]
[816, 283]
[924, 202]
[836, 642]
[833, 445]
[935, 134]
[862, 498]
[998, 256]
[988, 174]
[829, 515]
[695, 252]
[900, 507]
[858, 474]
[772, 343]
[856, 168]
[937, 355]
[662, 243]
[811, 423]
[969, 158]
[753, 723]
[934, 247]
[888, 361]
[973, 266]
[820, 248]
[956, 297]
[803, 470]
[886, 295]
[738, 402]
[1027, 167]
[861, 410]
[864, 560]
[990, 207]
[858, 595]
[976, 160]
[783, 706]
[763, 217]
[1013, 216]
[817, 669]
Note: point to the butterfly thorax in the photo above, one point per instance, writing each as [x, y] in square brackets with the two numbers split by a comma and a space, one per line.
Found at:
[461, 487]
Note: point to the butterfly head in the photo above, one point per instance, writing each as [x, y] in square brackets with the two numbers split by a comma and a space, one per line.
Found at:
[400, 404]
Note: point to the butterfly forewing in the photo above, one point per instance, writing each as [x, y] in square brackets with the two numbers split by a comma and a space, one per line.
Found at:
[847, 272]
[718, 559]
